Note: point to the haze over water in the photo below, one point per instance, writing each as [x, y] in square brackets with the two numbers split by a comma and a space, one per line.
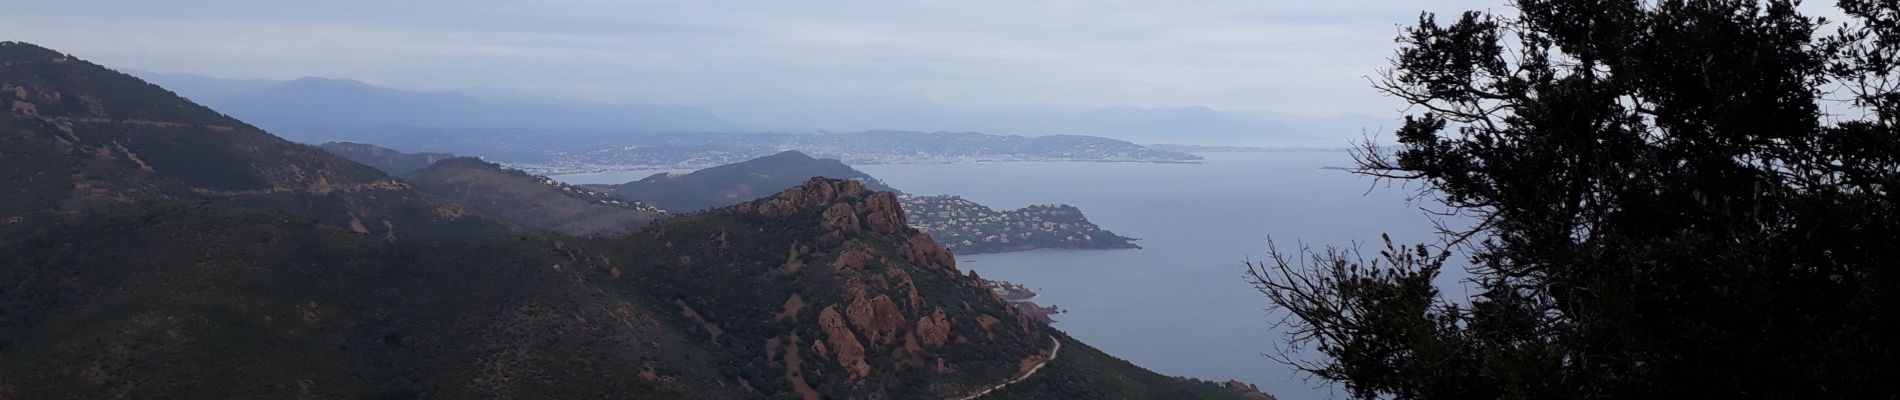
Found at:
[1180, 305]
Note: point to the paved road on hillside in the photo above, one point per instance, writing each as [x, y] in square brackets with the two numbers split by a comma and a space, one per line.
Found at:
[1053, 353]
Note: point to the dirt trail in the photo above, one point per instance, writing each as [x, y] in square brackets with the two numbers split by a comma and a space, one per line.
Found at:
[1054, 351]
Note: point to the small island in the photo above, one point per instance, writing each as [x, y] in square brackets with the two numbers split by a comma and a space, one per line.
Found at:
[966, 227]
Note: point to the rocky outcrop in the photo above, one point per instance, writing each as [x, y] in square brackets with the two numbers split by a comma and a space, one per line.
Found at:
[852, 259]
[813, 193]
[885, 214]
[934, 330]
[874, 320]
[920, 249]
[1247, 390]
[843, 344]
[877, 319]
[841, 218]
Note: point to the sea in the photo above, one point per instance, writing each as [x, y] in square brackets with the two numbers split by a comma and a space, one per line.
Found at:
[1180, 305]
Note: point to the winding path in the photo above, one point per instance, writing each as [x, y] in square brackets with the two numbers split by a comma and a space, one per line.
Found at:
[1054, 351]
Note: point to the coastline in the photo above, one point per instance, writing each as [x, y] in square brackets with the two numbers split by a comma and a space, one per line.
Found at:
[556, 172]
[1131, 246]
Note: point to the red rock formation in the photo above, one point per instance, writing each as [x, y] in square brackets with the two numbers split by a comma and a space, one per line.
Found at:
[830, 240]
[934, 329]
[884, 214]
[845, 346]
[878, 318]
[1248, 390]
[851, 259]
[906, 285]
[840, 217]
[987, 321]
[816, 192]
[922, 250]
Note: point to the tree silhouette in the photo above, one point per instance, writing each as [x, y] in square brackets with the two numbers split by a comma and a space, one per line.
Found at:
[1671, 199]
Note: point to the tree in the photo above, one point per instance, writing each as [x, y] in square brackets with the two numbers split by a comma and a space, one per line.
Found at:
[1672, 199]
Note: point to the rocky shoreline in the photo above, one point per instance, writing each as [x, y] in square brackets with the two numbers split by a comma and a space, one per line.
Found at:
[1021, 297]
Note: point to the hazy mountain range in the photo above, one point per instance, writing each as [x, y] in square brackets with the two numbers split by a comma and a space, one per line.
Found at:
[304, 108]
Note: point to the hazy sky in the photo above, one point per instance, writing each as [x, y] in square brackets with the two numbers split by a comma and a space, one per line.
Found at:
[1304, 57]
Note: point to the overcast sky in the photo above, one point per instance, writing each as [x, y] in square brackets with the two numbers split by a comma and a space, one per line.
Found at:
[1303, 57]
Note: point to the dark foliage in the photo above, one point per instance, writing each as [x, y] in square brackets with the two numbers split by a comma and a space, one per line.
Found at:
[1671, 199]
[531, 200]
[735, 183]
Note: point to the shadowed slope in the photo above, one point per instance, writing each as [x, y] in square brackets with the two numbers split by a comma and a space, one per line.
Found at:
[530, 200]
[737, 182]
[82, 136]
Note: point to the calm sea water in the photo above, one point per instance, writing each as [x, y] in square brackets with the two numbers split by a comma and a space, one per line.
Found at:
[1180, 305]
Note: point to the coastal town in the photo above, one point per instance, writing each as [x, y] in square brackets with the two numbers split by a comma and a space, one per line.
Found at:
[966, 227]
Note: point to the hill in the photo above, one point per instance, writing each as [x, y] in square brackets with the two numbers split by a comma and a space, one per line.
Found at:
[80, 137]
[818, 292]
[963, 226]
[393, 162]
[734, 183]
[531, 200]
[150, 275]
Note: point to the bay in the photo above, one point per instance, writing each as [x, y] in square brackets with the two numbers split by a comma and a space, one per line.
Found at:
[1180, 305]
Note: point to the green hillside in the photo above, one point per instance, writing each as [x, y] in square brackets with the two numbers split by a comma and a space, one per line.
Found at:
[86, 137]
[737, 182]
[530, 200]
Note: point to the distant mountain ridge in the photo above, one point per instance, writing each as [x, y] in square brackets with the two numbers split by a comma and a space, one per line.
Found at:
[308, 105]
[314, 109]
[871, 147]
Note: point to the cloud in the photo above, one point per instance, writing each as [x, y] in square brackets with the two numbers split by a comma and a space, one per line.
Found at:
[1301, 57]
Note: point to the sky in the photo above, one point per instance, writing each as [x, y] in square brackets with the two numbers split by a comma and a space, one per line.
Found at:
[1307, 58]
[1300, 57]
